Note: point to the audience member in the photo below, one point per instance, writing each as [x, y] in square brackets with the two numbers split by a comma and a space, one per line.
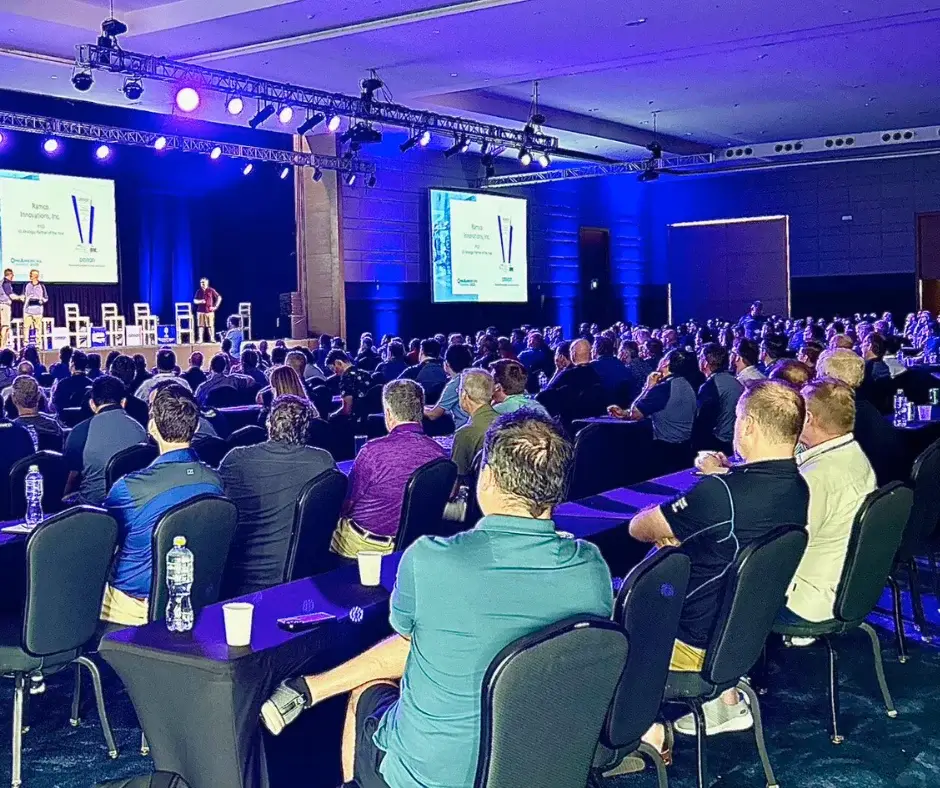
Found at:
[7, 371]
[456, 360]
[613, 375]
[367, 358]
[576, 380]
[62, 368]
[138, 501]
[772, 349]
[70, 392]
[234, 335]
[124, 370]
[723, 514]
[354, 384]
[840, 477]
[26, 396]
[166, 370]
[476, 396]
[90, 445]
[427, 731]
[15, 444]
[220, 378]
[250, 360]
[94, 366]
[744, 357]
[717, 400]
[429, 371]
[284, 381]
[195, 376]
[264, 481]
[394, 364]
[791, 371]
[509, 381]
[638, 369]
[537, 357]
[381, 471]
[809, 355]
[487, 352]
[140, 364]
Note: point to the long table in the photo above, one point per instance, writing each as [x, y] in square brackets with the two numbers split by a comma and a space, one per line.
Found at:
[198, 700]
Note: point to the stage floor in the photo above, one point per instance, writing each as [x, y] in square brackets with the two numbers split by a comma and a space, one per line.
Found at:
[149, 352]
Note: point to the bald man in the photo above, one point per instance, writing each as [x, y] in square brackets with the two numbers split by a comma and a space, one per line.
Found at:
[573, 385]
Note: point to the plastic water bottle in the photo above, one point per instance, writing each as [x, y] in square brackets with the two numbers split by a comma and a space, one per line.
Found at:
[900, 409]
[179, 582]
[33, 496]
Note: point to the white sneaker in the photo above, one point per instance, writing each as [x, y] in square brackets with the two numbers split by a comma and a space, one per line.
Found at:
[282, 708]
[800, 642]
[719, 718]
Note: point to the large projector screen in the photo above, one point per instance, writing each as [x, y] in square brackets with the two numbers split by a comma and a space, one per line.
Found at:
[478, 247]
[63, 226]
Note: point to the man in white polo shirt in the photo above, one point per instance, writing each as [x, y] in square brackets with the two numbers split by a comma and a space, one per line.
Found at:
[840, 477]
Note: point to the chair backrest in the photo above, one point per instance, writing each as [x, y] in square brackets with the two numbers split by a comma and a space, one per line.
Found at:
[544, 701]
[755, 591]
[109, 311]
[50, 441]
[473, 513]
[244, 308]
[183, 310]
[210, 449]
[247, 436]
[315, 517]
[72, 312]
[223, 397]
[154, 780]
[133, 458]
[876, 536]
[67, 561]
[648, 607]
[141, 311]
[54, 476]
[426, 495]
[922, 522]
[208, 523]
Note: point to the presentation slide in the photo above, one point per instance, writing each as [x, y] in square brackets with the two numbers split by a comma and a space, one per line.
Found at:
[478, 247]
[65, 227]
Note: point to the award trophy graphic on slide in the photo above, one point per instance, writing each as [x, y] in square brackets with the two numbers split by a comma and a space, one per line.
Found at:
[505, 243]
[84, 218]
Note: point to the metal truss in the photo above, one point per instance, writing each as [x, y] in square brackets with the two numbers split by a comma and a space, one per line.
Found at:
[146, 139]
[594, 171]
[93, 56]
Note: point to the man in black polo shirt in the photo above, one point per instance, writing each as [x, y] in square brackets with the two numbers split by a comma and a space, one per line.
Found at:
[70, 392]
[717, 400]
[720, 516]
[354, 383]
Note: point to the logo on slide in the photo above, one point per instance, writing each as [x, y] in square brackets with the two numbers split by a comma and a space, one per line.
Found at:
[505, 241]
[84, 218]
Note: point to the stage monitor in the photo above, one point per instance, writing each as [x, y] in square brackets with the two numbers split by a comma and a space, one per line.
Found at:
[478, 247]
[63, 226]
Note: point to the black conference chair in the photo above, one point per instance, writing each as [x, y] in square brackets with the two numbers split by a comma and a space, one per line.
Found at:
[921, 527]
[233, 418]
[876, 535]
[608, 456]
[67, 558]
[154, 780]
[372, 402]
[224, 397]
[49, 441]
[426, 495]
[247, 436]
[71, 417]
[322, 399]
[210, 450]
[432, 393]
[648, 608]
[315, 519]
[54, 476]
[473, 514]
[545, 698]
[755, 591]
[208, 523]
[133, 458]
[45, 380]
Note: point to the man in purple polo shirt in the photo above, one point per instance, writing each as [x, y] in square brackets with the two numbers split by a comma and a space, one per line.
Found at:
[381, 472]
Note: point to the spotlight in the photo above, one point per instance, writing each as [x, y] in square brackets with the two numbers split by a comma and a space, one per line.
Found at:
[368, 87]
[284, 173]
[310, 123]
[350, 178]
[346, 136]
[333, 125]
[133, 88]
[425, 139]
[317, 175]
[261, 116]
[159, 143]
[525, 158]
[187, 99]
[459, 146]
[372, 181]
[286, 115]
[409, 143]
[484, 147]
[215, 153]
[82, 81]
[542, 158]
[235, 105]
[102, 152]
[248, 168]
[51, 145]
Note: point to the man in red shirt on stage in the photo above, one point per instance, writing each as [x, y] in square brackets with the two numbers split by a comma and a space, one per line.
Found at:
[207, 301]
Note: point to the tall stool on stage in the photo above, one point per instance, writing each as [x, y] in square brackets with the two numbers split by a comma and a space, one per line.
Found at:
[244, 312]
[148, 324]
[44, 340]
[78, 326]
[184, 323]
[17, 335]
[114, 325]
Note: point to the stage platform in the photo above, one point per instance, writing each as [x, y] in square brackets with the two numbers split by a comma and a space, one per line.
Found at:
[149, 352]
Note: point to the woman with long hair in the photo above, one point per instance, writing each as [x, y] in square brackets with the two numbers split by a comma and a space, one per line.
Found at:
[285, 380]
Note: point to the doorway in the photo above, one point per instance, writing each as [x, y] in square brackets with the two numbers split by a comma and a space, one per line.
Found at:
[597, 303]
[928, 262]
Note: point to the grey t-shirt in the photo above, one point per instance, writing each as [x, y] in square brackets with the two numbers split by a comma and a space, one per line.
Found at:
[671, 407]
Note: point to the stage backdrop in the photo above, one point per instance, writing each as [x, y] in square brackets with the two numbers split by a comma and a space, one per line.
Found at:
[179, 216]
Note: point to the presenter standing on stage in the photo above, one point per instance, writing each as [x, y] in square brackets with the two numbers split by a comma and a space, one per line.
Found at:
[207, 302]
[34, 299]
[7, 297]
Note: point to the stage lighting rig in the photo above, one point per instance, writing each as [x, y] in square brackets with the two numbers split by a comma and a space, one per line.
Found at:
[310, 123]
[361, 134]
[111, 28]
[525, 158]
[414, 139]
[372, 180]
[369, 87]
[461, 145]
[133, 88]
[82, 81]
[261, 116]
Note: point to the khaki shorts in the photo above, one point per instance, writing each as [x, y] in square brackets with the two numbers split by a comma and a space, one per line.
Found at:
[206, 319]
[32, 321]
[686, 658]
[6, 314]
[120, 608]
[349, 540]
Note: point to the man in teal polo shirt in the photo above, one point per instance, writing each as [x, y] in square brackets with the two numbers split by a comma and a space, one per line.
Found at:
[456, 604]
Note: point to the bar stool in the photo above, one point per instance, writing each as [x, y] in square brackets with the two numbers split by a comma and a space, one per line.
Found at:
[114, 325]
[45, 339]
[78, 326]
[185, 324]
[244, 312]
[17, 338]
[148, 324]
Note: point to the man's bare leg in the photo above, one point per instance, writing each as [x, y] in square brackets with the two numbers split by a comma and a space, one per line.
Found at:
[349, 729]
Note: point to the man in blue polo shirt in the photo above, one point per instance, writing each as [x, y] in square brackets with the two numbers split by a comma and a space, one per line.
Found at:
[456, 604]
[137, 501]
[91, 445]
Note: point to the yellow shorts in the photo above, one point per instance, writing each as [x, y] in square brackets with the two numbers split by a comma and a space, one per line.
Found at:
[348, 540]
[120, 608]
[686, 658]
[206, 319]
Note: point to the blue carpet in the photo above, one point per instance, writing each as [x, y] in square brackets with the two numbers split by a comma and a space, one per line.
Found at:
[878, 751]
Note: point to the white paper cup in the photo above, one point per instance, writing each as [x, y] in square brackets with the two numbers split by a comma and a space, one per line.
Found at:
[924, 412]
[237, 616]
[370, 567]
